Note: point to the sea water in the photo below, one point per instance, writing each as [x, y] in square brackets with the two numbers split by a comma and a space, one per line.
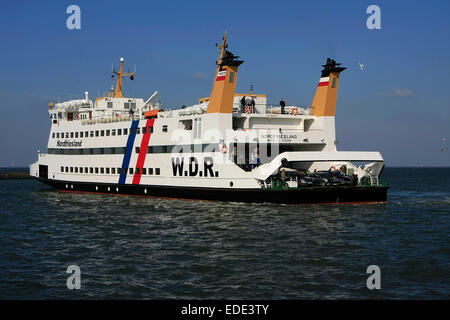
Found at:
[146, 248]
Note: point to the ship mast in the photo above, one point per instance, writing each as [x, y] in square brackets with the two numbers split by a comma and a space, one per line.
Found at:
[223, 48]
[118, 93]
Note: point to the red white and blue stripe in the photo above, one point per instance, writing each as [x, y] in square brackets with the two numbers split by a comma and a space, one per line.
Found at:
[127, 155]
[143, 151]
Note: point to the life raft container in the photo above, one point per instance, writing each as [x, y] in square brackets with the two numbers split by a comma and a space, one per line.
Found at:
[224, 148]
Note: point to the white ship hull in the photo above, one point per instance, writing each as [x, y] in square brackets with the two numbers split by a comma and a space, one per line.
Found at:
[225, 148]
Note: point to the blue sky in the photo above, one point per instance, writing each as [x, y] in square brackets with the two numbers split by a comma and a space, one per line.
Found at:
[399, 105]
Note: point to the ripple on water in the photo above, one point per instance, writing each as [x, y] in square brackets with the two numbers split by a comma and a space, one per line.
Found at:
[132, 247]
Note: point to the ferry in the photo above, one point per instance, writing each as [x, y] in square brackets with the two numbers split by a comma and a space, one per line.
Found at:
[228, 147]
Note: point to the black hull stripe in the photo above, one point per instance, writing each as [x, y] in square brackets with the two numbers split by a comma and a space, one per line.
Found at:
[341, 194]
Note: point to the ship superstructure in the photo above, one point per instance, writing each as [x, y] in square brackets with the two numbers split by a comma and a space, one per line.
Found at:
[230, 146]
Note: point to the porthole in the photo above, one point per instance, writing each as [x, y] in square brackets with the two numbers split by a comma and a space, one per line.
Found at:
[231, 183]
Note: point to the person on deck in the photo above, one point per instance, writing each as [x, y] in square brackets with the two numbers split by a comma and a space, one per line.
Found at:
[282, 106]
[354, 179]
[283, 175]
[233, 155]
[254, 159]
[252, 104]
[243, 104]
[240, 156]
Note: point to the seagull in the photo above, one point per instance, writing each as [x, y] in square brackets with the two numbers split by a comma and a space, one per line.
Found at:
[361, 66]
[444, 149]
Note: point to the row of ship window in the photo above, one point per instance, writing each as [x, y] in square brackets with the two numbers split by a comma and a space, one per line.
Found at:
[97, 170]
[104, 133]
[213, 147]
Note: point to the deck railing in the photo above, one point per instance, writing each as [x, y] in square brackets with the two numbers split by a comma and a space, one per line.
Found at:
[272, 109]
[237, 109]
[109, 119]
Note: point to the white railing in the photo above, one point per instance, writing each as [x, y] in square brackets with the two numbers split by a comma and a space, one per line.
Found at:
[273, 109]
[109, 120]
[237, 109]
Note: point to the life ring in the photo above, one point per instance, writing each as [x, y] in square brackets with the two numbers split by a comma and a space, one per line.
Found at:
[248, 109]
[332, 168]
[224, 148]
[295, 111]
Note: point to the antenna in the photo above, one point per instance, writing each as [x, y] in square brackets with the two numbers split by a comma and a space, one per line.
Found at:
[222, 47]
[120, 75]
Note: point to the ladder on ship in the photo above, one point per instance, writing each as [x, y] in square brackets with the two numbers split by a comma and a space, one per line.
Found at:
[373, 181]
